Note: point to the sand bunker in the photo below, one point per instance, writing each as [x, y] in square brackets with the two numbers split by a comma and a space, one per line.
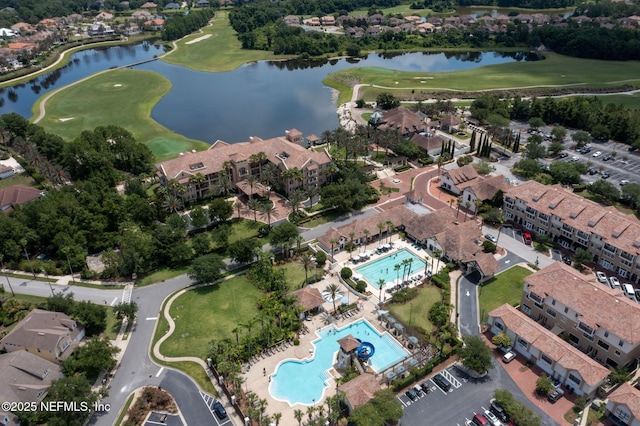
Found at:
[65, 119]
[117, 85]
[195, 40]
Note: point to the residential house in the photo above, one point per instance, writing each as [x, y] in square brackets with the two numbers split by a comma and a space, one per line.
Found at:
[312, 22]
[49, 23]
[428, 142]
[484, 188]
[403, 120]
[6, 171]
[202, 3]
[612, 237]
[172, 6]
[557, 358]
[599, 321]
[141, 15]
[292, 20]
[328, 21]
[104, 16]
[154, 24]
[20, 47]
[450, 124]
[313, 140]
[8, 419]
[49, 335]
[456, 180]
[26, 377]
[237, 162]
[359, 390]
[149, 5]
[413, 19]
[623, 405]
[6, 33]
[17, 195]
[100, 30]
[23, 28]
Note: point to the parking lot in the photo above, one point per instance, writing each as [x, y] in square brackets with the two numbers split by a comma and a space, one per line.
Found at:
[163, 419]
[466, 397]
[209, 401]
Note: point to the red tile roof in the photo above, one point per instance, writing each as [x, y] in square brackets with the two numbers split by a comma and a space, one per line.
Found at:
[360, 390]
[308, 297]
[349, 343]
[17, 195]
[629, 396]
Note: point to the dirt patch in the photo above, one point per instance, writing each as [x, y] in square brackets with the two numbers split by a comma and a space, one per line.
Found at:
[195, 40]
[65, 119]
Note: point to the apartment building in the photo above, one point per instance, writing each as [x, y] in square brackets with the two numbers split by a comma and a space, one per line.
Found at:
[599, 321]
[201, 173]
[575, 222]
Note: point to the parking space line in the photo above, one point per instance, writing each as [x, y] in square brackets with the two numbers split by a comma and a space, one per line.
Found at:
[402, 402]
[454, 382]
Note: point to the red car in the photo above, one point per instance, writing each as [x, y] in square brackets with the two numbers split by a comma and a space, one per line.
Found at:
[527, 239]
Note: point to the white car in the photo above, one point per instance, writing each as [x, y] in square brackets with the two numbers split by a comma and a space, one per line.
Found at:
[396, 181]
[492, 418]
[597, 154]
[601, 277]
[613, 281]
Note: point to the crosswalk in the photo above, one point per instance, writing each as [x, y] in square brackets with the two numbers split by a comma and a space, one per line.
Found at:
[126, 293]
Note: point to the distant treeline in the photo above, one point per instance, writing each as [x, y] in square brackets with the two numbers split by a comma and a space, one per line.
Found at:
[530, 4]
[179, 25]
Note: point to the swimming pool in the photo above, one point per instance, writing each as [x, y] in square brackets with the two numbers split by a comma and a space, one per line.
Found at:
[304, 382]
[383, 268]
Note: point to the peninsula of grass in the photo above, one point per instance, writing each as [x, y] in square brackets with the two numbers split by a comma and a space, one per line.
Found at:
[416, 312]
[215, 49]
[506, 287]
[121, 97]
[554, 71]
[207, 313]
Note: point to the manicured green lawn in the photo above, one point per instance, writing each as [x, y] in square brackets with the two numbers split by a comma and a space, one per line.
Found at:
[208, 313]
[294, 274]
[628, 101]
[506, 287]
[416, 312]
[221, 51]
[161, 275]
[117, 97]
[403, 9]
[555, 70]
[19, 179]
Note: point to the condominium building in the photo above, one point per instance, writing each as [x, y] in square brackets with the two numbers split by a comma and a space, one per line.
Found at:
[575, 222]
[599, 321]
[247, 166]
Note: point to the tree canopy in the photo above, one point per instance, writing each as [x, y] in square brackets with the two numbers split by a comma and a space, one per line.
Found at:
[475, 354]
[206, 269]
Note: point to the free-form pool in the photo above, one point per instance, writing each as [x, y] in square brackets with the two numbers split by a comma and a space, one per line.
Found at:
[384, 268]
[303, 382]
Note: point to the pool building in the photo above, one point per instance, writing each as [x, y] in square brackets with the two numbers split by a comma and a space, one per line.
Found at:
[305, 381]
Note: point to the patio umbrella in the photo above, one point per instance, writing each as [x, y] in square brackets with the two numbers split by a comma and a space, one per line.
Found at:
[391, 320]
[391, 375]
[357, 277]
[400, 369]
[413, 340]
[356, 257]
[345, 300]
[399, 327]
[379, 247]
[412, 362]
[387, 246]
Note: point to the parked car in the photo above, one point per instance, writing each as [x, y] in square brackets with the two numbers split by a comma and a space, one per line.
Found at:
[527, 238]
[442, 383]
[555, 395]
[508, 357]
[605, 175]
[592, 170]
[219, 410]
[417, 389]
[411, 394]
[499, 411]
[426, 387]
[613, 282]
[606, 158]
[563, 155]
[491, 238]
[492, 418]
[624, 182]
[601, 277]
[566, 259]
[596, 154]
[480, 420]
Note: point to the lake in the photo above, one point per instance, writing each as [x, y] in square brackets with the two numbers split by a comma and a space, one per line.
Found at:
[259, 99]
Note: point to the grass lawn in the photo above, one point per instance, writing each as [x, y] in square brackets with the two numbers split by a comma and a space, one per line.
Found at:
[161, 275]
[322, 219]
[506, 287]
[403, 9]
[220, 51]
[113, 325]
[19, 179]
[244, 229]
[106, 99]
[628, 101]
[207, 313]
[294, 274]
[416, 312]
[555, 70]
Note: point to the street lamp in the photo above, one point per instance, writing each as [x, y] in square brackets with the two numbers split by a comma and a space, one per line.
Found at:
[6, 276]
[47, 277]
[66, 252]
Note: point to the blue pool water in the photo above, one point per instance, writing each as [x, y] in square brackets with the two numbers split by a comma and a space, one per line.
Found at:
[304, 382]
[383, 268]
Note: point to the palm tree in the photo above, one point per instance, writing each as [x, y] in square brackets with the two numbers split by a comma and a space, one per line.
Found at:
[333, 291]
[224, 186]
[366, 238]
[390, 227]
[296, 197]
[254, 205]
[351, 235]
[236, 330]
[426, 264]
[251, 181]
[172, 204]
[258, 159]
[330, 171]
[307, 262]
[438, 253]
[380, 228]
[478, 203]
[269, 176]
[238, 206]
[404, 264]
[467, 204]
[310, 411]
[380, 285]
[268, 210]
[276, 418]
[198, 181]
[333, 243]
[298, 414]
[396, 267]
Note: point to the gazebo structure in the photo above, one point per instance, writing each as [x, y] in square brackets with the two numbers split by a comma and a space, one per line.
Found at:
[309, 299]
[348, 348]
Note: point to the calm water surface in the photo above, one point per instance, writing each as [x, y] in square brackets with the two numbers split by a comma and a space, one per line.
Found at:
[260, 99]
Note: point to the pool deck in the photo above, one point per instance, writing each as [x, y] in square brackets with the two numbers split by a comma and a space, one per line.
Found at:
[258, 381]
